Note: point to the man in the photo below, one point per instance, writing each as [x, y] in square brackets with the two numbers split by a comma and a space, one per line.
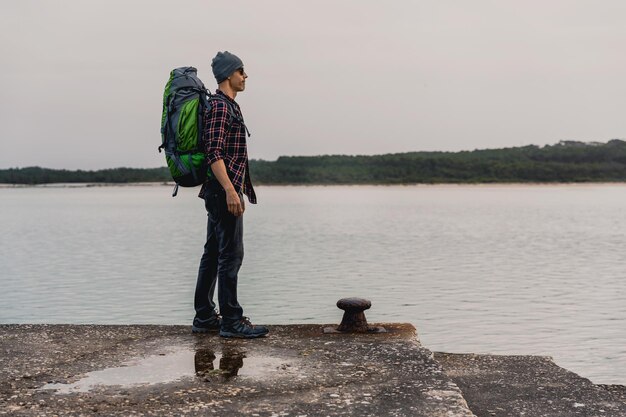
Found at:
[227, 155]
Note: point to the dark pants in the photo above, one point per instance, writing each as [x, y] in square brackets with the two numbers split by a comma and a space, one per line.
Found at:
[220, 263]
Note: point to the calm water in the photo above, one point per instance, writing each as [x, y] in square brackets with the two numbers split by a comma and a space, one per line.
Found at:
[485, 269]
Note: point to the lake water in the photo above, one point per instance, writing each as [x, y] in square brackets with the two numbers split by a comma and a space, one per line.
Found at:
[515, 269]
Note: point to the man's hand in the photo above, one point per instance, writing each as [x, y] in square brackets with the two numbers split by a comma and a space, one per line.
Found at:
[235, 204]
[233, 201]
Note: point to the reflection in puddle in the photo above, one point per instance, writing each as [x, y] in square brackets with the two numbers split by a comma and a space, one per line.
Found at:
[230, 362]
[175, 365]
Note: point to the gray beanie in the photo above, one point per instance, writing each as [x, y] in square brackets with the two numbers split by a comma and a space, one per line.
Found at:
[224, 64]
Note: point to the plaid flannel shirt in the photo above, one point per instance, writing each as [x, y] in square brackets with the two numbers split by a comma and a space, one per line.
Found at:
[225, 138]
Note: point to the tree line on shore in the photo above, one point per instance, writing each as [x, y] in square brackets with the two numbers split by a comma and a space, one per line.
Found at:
[566, 161]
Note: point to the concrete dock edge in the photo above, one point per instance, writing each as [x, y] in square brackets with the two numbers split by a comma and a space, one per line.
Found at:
[296, 371]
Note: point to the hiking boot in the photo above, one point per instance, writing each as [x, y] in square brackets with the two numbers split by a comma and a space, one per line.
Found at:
[212, 324]
[242, 329]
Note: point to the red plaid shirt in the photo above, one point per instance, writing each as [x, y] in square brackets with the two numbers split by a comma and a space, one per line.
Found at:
[225, 138]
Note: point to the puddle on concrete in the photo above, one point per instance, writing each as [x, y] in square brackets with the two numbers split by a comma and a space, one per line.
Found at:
[177, 364]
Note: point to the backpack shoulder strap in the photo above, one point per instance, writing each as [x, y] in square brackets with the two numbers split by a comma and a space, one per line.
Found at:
[231, 110]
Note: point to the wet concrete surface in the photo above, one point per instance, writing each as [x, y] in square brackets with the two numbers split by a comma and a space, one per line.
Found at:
[165, 370]
[533, 386]
[298, 370]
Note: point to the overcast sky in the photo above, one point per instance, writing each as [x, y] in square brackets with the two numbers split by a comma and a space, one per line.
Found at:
[82, 81]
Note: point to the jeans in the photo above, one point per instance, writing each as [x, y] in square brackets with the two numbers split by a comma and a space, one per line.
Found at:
[221, 260]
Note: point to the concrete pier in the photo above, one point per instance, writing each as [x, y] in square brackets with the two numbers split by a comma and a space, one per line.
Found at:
[297, 370]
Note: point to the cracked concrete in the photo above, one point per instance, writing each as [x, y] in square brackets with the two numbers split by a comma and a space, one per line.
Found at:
[165, 370]
[63, 370]
[504, 386]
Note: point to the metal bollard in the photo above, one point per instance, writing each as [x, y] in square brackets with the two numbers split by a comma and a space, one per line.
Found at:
[354, 320]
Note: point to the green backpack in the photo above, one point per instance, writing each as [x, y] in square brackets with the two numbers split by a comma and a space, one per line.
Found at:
[184, 101]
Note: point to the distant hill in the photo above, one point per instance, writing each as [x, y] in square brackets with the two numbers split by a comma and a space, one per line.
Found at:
[37, 175]
[567, 161]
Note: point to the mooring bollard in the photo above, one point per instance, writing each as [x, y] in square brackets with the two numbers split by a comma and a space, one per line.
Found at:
[354, 320]
[354, 314]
